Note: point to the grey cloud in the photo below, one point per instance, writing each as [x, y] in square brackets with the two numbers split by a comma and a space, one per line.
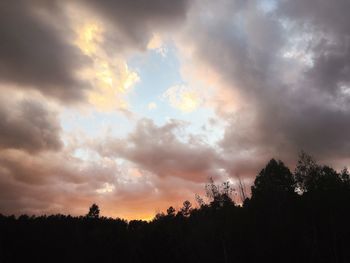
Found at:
[28, 125]
[241, 46]
[158, 149]
[39, 169]
[318, 14]
[50, 182]
[279, 116]
[135, 20]
[35, 54]
[329, 23]
[332, 68]
[321, 131]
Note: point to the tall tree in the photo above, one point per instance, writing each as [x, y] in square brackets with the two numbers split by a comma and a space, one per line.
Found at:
[274, 183]
[311, 177]
[219, 195]
[94, 211]
[306, 172]
[186, 209]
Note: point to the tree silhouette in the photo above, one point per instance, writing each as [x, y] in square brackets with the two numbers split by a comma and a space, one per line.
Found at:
[170, 211]
[94, 212]
[219, 195]
[306, 173]
[345, 176]
[273, 185]
[186, 209]
[275, 225]
[312, 177]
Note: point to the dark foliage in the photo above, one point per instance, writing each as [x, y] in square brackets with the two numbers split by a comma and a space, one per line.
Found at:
[94, 212]
[291, 217]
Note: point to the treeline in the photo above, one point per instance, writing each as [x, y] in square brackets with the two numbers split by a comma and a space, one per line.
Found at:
[299, 216]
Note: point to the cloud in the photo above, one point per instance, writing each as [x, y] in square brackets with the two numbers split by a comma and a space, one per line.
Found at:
[107, 188]
[156, 43]
[330, 42]
[51, 182]
[35, 52]
[134, 22]
[28, 125]
[39, 50]
[288, 65]
[109, 76]
[158, 150]
[108, 31]
[183, 98]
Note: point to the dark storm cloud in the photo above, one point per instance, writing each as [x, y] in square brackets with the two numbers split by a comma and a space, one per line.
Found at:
[280, 114]
[34, 53]
[28, 125]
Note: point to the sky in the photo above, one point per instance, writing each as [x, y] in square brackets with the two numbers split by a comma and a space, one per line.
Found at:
[134, 105]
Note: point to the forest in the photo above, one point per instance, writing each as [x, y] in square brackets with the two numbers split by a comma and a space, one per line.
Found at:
[290, 216]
